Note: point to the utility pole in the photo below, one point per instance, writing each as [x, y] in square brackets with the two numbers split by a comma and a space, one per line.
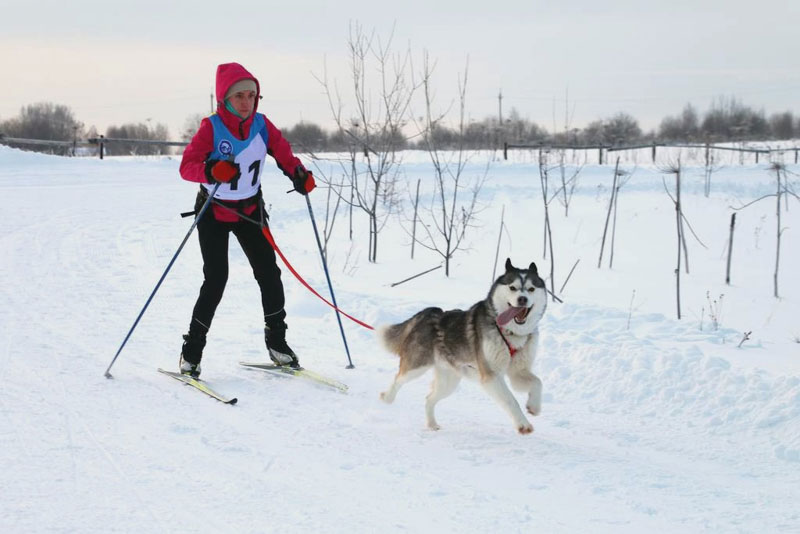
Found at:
[212, 102]
[500, 129]
[500, 105]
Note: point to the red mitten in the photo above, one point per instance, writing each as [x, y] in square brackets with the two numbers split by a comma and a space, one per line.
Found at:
[221, 171]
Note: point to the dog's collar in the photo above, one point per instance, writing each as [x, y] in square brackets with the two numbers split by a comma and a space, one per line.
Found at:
[511, 349]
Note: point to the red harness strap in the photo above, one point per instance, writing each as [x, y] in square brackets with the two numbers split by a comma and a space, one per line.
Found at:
[268, 235]
[271, 240]
[511, 349]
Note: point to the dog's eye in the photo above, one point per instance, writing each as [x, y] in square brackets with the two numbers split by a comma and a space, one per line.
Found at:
[512, 288]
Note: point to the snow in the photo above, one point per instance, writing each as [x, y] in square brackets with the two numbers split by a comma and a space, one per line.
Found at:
[649, 423]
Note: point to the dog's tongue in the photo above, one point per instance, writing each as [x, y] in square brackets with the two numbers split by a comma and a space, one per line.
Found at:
[507, 315]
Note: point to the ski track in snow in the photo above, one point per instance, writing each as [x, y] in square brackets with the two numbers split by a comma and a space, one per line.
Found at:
[652, 428]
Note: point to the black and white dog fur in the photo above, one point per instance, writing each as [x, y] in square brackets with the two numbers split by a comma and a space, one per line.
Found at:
[496, 337]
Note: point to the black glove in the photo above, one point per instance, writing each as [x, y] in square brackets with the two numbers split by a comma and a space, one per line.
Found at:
[303, 180]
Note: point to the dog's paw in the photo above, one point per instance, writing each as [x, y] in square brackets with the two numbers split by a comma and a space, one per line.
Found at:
[434, 426]
[534, 410]
[527, 428]
[385, 397]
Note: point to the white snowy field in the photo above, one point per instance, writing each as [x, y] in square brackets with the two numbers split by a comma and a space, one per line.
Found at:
[649, 423]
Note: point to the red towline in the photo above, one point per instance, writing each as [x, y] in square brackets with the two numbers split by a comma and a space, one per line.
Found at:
[268, 235]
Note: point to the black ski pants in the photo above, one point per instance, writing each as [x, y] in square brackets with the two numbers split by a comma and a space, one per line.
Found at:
[214, 236]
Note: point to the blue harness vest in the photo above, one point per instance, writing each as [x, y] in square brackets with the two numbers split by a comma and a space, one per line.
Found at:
[249, 154]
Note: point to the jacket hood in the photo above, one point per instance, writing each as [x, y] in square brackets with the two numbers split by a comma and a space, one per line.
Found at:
[227, 75]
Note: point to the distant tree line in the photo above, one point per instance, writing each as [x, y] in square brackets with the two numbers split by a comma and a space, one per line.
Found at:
[157, 132]
[57, 122]
[46, 121]
[727, 120]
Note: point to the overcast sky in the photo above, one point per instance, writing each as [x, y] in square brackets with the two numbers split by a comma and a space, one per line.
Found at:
[114, 62]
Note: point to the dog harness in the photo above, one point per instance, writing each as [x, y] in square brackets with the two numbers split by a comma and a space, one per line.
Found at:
[511, 349]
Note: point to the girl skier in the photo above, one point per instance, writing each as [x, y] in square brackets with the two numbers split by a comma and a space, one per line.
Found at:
[230, 148]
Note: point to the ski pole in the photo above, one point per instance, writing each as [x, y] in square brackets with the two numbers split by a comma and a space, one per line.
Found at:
[330, 286]
[163, 276]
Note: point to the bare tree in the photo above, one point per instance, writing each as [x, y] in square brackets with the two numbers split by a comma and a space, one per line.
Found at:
[680, 219]
[449, 215]
[547, 198]
[782, 125]
[683, 127]
[307, 137]
[783, 188]
[621, 178]
[618, 129]
[710, 166]
[608, 213]
[191, 125]
[415, 219]
[140, 131]
[730, 119]
[375, 127]
[569, 179]
[544, 179]
[499, 237]
[676, 170]
[47, 121]
[330, 217]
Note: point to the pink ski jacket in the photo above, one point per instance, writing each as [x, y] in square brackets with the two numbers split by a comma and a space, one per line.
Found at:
[202, 145]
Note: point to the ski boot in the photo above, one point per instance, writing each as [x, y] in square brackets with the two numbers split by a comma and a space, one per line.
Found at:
[279, 351]
[191, 354]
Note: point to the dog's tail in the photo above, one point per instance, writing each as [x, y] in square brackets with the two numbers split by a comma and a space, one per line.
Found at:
[395, 337]
[390, 336]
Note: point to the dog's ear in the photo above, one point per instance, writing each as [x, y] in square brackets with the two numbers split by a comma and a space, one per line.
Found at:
[508, 264]
[533, 275]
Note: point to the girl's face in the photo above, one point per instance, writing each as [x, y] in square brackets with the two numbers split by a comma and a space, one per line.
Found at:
[243, 102]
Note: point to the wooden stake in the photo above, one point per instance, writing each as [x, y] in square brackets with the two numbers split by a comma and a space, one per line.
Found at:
[730, 250]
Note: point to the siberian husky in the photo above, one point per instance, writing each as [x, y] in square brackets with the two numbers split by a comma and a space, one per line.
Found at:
[494, 338]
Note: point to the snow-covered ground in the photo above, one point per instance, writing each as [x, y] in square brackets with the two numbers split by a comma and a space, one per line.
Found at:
[649, 423]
